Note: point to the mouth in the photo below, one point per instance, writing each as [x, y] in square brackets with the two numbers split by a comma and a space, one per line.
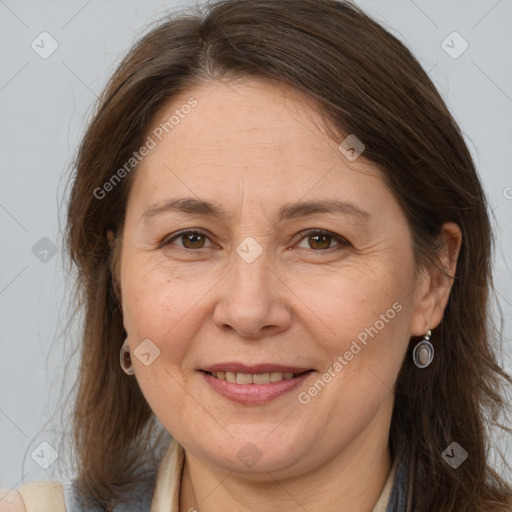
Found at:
[254, 378]
[252, 385]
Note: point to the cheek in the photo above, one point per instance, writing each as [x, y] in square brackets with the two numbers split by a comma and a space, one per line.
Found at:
[362, 315]
[370, 294]
[159, 308]
[156, 298]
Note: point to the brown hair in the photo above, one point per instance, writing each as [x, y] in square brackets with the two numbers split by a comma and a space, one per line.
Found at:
[365, 82]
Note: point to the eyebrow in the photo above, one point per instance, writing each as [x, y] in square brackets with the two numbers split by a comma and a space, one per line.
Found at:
[195, 206]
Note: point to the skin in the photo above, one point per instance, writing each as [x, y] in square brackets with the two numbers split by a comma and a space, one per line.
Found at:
[252, 147]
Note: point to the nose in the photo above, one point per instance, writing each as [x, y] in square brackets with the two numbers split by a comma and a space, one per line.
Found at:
[254, 300]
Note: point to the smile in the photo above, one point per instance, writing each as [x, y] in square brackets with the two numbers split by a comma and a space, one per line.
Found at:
[253, 378]
[253, 388]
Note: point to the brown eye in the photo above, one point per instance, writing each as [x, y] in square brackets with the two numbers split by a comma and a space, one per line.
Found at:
[320, 240]
[193, 241]
[189, 240]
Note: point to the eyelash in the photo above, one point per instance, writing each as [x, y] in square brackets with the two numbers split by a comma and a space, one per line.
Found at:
[342, 242]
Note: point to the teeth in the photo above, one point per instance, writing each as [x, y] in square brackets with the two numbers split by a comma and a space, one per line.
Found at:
[276, 376]
[251, 378]
[243, 378]
[261, 378]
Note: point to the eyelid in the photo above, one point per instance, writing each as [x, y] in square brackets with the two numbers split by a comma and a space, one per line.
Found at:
[342, 241]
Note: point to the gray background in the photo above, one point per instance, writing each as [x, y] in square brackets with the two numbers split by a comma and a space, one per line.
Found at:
[45, 104]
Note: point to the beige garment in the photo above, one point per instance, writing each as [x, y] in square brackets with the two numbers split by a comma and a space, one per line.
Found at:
[49, 497]
[382, 502]
[33, 497]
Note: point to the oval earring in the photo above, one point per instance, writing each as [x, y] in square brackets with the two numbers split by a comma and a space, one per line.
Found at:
[125, 359]
[423, 353]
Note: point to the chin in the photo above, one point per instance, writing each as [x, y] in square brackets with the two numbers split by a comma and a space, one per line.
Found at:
[249, 454]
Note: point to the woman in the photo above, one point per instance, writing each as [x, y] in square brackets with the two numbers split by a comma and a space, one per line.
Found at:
[282, 240]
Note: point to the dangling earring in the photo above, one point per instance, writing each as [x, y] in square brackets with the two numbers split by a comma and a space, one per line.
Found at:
[125, 359]
[423, 353]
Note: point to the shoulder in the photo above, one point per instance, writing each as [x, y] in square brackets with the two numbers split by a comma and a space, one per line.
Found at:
[41, 496]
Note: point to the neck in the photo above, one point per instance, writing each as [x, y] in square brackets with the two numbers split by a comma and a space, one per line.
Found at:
[350, 481]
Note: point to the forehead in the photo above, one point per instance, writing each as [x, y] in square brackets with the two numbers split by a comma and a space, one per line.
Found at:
[255, 116]
[251, 136]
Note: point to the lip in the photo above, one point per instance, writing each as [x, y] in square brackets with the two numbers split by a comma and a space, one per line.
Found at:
[255, 394]
[235, 367]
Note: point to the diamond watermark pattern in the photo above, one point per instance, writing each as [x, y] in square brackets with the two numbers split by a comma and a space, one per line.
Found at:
[249, 250]
[44, 250]
[146, 352]
[455, 455]
[44, 455]
[351, 147]
[249, 455]
[454, 45]
[44, 45]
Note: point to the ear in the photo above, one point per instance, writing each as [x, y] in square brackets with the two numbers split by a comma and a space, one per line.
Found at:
[435, 283]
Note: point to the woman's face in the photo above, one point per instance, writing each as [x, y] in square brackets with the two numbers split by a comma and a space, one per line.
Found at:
[257, 289]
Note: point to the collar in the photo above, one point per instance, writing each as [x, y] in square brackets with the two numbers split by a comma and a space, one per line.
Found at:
[166, 496]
